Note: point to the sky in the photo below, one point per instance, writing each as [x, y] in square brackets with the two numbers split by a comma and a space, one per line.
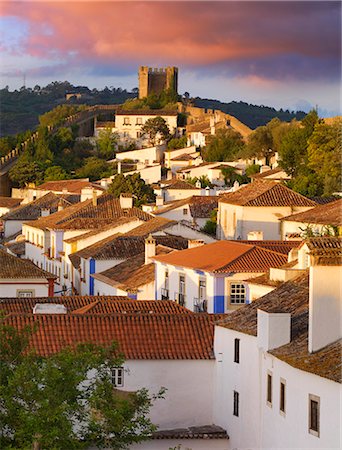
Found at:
[274, 53]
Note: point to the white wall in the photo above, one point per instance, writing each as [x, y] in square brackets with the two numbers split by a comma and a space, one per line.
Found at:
[12, 227]
[10, 287]
[237, 221]
[183, 444]
[260, 425]
[150, 174]
[189, 383]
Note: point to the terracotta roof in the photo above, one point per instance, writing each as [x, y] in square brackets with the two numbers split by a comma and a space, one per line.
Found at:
[33, 210]
[326, 214]
[327, 250]
[9, 202]
[110, 226]
[291, 297]
[72, 186]
[189, 168]
[324, 200]
[199, 127]
[179, 184]
[123, 246]
[18, 248]
[261, 175]
[132, 273]
[77, 304]
[200, 206]
[276, 246]
[139, 336]
[144, 112]
[201, 432]
[12, 267]
[87, 216]
[184, 157]
[225, 257]
[266, 193]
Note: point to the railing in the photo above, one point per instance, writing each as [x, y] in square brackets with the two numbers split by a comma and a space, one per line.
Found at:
[164, 294]
[180, 298]
[200, 305]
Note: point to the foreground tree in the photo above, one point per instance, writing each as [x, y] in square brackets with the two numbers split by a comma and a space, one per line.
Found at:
[106, 143]
[133, 184]
[223, 146]
[57, 402]
[156, 129]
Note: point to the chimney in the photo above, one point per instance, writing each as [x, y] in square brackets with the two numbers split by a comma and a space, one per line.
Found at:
[60, 205]
[94, 198]
[325, 303]
[207, 191]
[159, 200]
[198, 184]
[192, 243]
[104, 183]
[126, 201]
[264, 169]
[273, 329]
[255, 236]
[119, 167]
[45, 212]
[64, 191]
[150, 249]
[49, 308]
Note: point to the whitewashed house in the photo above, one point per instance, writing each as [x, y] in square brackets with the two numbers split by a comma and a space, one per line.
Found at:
[318, 220]
[212, 277]
[7, 204]
[278, 362]
[21, 278]
[258, 207]
[171, 190]
[195, 210]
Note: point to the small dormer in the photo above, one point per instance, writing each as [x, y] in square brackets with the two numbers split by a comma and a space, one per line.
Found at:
[126, 201]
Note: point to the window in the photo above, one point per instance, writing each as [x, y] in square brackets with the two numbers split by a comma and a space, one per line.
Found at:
[314, 402]
[126, 121]
[237, 294]
[139, 134]
[236, 404]
[138, 121]
[282, 396]
[237, 350]
[269, 389]
[182, 284]
[166, 280]
[185, 211]
[118, 376]
[202, 290]
[22, 293]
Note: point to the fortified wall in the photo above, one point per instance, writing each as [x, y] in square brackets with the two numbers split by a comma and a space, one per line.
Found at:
[157, 80]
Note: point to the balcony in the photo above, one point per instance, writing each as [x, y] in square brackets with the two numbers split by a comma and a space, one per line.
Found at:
[180, 298]
[165, 294]
[200, 305]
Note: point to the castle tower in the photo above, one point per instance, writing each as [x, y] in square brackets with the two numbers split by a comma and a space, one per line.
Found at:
[156, 80]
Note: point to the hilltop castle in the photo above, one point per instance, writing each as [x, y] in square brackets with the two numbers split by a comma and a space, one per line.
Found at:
[156, 80]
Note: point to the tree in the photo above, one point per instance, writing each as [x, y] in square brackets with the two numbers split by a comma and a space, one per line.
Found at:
[211, 224]
[293, 151]
[260, 143]
[176, 143]
[324, 154]
[55, 173]
[66, 400]
[156, 129]
[25, 171]
[133, 184]
[94, 168]
[223, 146]
[106, 143]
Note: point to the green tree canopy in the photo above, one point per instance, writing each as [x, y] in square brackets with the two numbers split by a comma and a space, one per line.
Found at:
[94, 168]
[53, 173]
[223, 146]
[106, 144]
[26, 171]
[325, 153]
[156, 129]
[132, 184]
[55, 403]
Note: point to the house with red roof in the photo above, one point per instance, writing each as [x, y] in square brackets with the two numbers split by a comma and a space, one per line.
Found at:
[258, 208]
[213, 277]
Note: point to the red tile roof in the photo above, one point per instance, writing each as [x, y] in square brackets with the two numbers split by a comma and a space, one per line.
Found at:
[101, 304]
[9, 202]
[266, 193]
[261, 175]
[200, 206]
[326, 214]
[71, 186]
[225, 257]
[12, 267]
[276, 246]
[139, 336]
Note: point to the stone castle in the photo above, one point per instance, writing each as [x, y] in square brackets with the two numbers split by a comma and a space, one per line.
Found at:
[156, 80]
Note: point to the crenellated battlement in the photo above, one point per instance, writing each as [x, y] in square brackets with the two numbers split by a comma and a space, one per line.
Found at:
[157, 79]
